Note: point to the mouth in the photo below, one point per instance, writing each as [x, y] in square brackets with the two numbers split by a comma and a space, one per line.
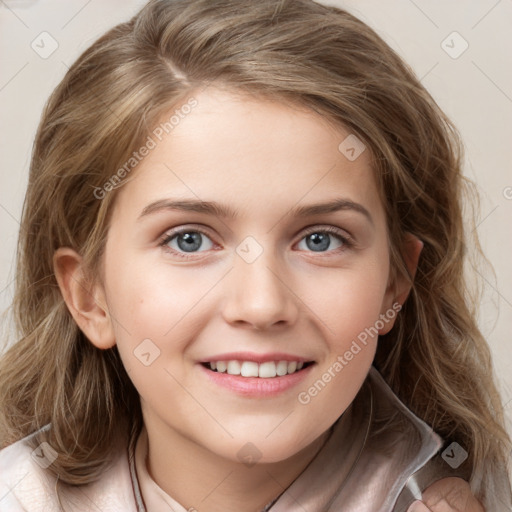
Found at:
[257, 376]
[252, 369]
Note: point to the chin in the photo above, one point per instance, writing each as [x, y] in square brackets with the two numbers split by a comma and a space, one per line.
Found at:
[263, 451]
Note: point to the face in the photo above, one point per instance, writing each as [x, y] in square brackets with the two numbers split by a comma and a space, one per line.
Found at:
[217, 264]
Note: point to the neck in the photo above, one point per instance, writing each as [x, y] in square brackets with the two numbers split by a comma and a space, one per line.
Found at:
[204, 481]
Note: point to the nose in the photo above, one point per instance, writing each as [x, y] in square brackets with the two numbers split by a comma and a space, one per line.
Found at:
[257, 296]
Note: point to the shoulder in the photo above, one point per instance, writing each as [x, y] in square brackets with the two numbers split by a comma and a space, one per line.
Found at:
[448, 495]
[24, 484]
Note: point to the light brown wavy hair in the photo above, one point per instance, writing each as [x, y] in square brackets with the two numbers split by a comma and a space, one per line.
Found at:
[297, 51]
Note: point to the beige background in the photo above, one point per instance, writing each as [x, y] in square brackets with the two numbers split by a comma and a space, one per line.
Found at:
[474, 88]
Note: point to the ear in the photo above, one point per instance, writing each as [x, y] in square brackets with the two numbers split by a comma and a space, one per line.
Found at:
[86, 303]
[399, 290]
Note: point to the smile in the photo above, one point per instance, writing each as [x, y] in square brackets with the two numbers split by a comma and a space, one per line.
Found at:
[254, 375]
[266, 370]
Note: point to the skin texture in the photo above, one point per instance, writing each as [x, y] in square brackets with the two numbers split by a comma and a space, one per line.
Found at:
[448, 495]
[262, 159]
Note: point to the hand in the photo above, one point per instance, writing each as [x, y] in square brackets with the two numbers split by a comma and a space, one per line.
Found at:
[447, 495]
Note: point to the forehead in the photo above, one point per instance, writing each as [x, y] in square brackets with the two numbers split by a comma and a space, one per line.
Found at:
[254, 153]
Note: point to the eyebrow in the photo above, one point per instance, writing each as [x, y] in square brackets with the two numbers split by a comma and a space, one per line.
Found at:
[224, 211]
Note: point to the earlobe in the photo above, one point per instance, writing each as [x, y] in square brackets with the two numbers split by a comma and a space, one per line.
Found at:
[86, 303]
[399, 290]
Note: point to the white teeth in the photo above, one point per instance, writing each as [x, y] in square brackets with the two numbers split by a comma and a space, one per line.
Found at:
[264, 370]
[249, 369]
[292, 367]
[282, 368]
[233, 367]
[267, 370]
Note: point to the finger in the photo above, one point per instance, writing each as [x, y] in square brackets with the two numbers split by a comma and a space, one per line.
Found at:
[451, 494]
[418, 506]
[443, 506]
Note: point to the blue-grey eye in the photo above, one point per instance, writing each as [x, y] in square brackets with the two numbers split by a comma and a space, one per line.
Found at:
[188, 241]
[320, 241]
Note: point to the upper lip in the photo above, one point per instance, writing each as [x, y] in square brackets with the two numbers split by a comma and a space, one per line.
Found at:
[257, 358]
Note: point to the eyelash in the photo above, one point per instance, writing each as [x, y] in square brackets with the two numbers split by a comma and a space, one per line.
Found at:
[345, 239]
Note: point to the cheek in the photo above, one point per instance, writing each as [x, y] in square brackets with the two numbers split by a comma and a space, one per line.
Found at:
[348, 302]
[156, 312]
[150, 301]
[351, 309]
[351, 344]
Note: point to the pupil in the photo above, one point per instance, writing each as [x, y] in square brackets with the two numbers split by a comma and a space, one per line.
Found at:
[319, 241]
[189, 241]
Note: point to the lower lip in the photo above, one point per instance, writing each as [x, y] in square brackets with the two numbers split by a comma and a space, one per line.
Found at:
[256, 386]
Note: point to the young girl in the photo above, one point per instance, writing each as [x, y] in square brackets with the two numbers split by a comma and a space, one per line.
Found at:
[240, 279]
